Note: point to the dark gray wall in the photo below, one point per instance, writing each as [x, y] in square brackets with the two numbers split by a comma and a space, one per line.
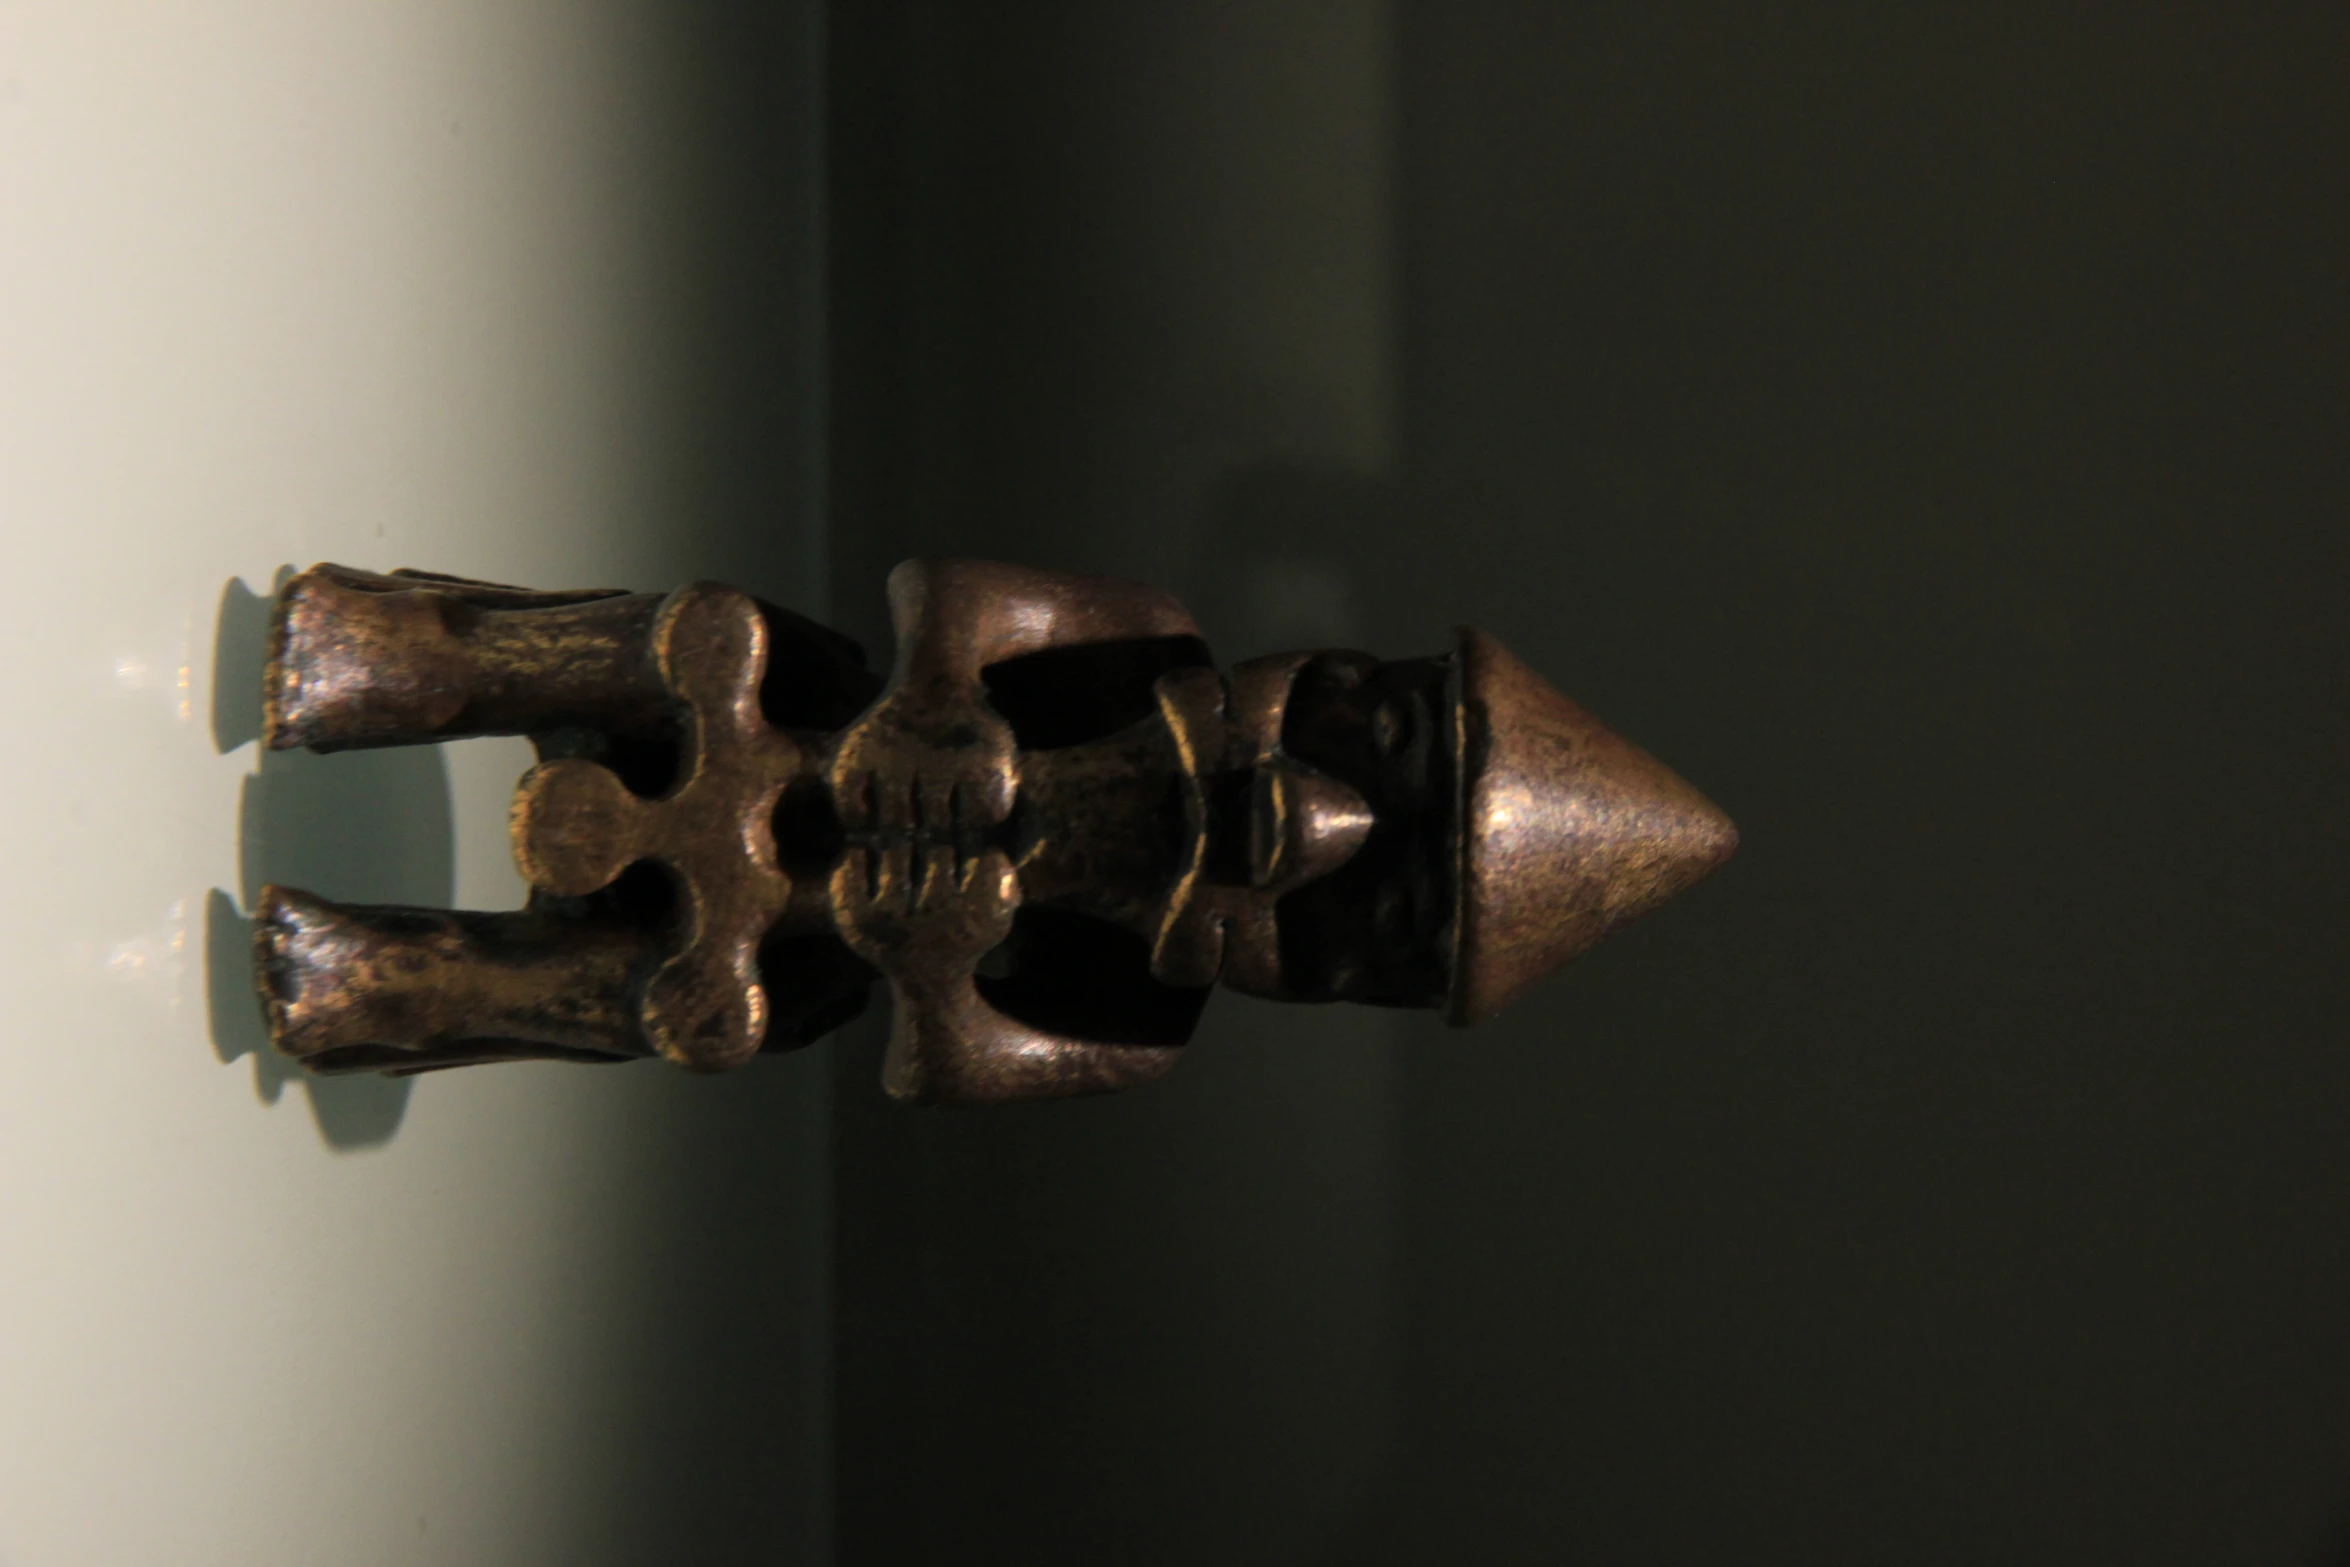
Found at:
[1925, 427]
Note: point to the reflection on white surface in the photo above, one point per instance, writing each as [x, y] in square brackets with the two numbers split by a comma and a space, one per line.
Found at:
[388, 282]
[154, 963]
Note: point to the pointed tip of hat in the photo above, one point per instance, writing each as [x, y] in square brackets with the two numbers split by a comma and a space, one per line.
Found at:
[1568, 830]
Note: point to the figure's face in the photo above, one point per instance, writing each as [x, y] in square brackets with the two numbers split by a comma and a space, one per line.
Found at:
[1378, 927]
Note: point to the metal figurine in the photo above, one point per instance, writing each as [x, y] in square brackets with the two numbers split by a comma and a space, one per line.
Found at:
[1051, 830]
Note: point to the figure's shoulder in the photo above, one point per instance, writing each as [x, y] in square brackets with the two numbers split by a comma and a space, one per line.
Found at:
[1032, 608]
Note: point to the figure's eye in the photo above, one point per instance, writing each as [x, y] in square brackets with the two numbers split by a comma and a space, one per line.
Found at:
[1391, 728]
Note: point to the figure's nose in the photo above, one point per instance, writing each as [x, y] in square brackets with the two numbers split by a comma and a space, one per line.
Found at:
[1302, 824]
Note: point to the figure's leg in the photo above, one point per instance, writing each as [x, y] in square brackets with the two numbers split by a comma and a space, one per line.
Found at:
[363, 988]
[364, 660]
[358, 659]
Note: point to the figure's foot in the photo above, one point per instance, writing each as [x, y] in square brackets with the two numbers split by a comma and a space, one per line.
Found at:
[356, 664]
[315, 970]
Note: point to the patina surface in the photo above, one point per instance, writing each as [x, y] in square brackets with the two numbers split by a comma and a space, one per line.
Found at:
[1050, 831]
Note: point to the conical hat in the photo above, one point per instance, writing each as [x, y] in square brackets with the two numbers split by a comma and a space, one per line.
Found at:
[1568, 830]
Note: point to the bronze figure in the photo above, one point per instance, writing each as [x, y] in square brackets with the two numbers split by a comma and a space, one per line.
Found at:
[1051, 830]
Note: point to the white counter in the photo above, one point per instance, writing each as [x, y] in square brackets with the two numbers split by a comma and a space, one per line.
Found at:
[391, 283]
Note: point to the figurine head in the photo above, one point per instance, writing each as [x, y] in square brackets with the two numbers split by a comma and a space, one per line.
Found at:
[1452, 828]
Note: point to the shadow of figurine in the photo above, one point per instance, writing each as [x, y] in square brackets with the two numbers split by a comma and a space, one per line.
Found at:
[1281, 560]
[372, 826]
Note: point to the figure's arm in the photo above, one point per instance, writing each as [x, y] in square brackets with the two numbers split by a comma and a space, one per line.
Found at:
[948, 1046]
[931, 749]
[920, 783]
[925, 920]
[953, 618]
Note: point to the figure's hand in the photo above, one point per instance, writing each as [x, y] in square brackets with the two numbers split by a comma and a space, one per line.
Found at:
[920, 782]
[923, 915]
[924, 764]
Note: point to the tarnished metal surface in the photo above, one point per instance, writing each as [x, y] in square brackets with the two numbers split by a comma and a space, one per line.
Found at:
[1569, 830]
[925, 782]
[1049, 832]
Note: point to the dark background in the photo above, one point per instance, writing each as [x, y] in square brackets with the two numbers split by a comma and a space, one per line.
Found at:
[1924, 427]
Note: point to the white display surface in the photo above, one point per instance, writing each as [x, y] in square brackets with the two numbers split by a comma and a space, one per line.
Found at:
[390, 283]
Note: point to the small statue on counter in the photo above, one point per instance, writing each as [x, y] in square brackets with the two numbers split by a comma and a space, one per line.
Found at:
[1052, 829]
